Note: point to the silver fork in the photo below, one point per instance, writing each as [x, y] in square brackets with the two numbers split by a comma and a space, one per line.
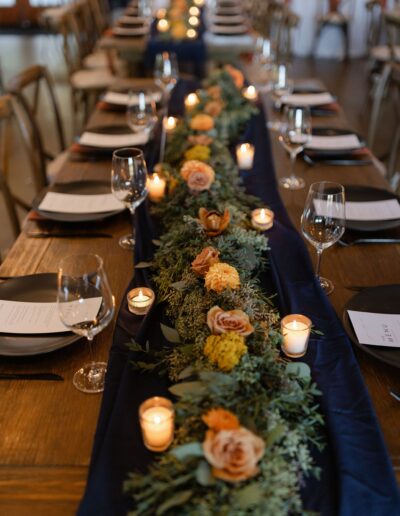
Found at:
[369, 241]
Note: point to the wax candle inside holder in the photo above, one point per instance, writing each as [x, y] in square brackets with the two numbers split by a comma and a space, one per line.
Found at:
[191, 101]
[156, 417]
[170, 124]
[245, 155]
[163, 25]
[262, 219]
[296, 330]
[140, 300]
[156, 186]
[250, 93]
[191, 34]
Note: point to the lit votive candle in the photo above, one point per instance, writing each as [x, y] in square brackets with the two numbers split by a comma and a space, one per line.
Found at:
[163, 25]
[194, 11]
[191, 34]
[161, 13]
[156, 187]
[250, 93]
[199, 3]
[193, 21]
[170, 124]
[296, 330]
[245, 155]
[156, 417]
[140, 300]
[262, 219]
[191, 100]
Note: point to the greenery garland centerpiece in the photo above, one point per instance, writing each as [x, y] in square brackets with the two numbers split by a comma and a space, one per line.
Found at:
[245, 418]
[180, 21]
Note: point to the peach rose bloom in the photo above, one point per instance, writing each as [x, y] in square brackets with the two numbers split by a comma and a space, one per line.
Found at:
[198, 181]
[221, 276]
[215, 92]
[220, 321]
[213, 222]
[194, 165]
[220, 419]
[236, 75]
[204, 260]
[200, 139]
[201, 122]
[214, 107]
[234, 454]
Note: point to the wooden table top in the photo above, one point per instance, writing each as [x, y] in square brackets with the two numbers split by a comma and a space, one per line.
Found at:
[48, 427]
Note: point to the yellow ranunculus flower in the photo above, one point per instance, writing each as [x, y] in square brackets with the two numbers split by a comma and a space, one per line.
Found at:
[225, 350]
[198, 152]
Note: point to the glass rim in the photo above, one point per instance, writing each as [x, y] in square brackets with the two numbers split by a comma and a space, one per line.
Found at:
[154, 402]
[98, 258]
[130, 152]
[314, 187]
[296, 317]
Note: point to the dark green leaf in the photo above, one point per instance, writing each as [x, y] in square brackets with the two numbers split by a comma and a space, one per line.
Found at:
[248, 496]
[187, 450]
[179, 285]
[300, 369]
[203, 474]
[180, 389]
[178, 499]
[170, 334]
[275, 434]
[185, 373]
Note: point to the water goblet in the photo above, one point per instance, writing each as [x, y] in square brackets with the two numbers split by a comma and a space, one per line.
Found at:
[141, 113]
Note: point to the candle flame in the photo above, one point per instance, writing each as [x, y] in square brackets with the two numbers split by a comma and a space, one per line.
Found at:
[191, 33]
[251, 90]
[157, 420]
[244, 147]
[156, 179]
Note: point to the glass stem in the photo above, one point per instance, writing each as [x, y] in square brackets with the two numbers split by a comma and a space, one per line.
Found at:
[318, 266]
[90, 344]
[132, 211]
[293, 157]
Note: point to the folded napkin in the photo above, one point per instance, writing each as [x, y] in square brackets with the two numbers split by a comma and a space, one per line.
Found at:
[112, 141]
[245, 41]
[337, 142]
[308, 99]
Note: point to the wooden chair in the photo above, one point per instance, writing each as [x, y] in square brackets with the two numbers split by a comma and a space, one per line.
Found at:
[26, 90]
[334, 18]
[6, 116]
[392, 175]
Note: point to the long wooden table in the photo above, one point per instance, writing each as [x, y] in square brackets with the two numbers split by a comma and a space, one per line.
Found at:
[48, 427]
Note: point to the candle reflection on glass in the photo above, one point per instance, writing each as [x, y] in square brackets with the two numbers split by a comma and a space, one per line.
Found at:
[140, 300]
[296, 330]
[163, 25]
[156, 417]
[262, 219]
[191, 100]
[245, 155]
[250, 93]
[156, 187]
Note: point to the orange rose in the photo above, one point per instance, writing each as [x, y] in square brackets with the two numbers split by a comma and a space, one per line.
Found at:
[213, 222]
[236, 75]
[220, 321]
[221, 276]
[234, 454]
[214, 107]
[220, 419]
[201, 122]
[198, 175]
[204, 260]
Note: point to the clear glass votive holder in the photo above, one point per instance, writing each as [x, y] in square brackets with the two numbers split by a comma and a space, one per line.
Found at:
[140, 300]
[156, 416]
[245, 155]
[296, 330]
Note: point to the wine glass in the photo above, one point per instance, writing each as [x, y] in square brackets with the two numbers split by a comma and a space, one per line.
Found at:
[323, 221]
[141, 113]
[86, 306]
[166, 73]
[295, 134]
[282, 83]
[128, 183]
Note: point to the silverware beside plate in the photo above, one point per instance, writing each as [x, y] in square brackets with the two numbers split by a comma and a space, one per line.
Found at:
[369, 241]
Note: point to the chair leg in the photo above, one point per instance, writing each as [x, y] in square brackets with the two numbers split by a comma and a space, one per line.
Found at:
[391, 169]
[377, 103]
[345, 28]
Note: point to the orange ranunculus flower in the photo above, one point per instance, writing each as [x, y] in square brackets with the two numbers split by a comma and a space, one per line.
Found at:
[220, 321]
[236, 75]
[204, 260]
[213, 222]
[202, 122]
[220, 419]
[221, 276]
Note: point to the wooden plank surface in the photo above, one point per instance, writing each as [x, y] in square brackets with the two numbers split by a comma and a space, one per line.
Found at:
[48, 427]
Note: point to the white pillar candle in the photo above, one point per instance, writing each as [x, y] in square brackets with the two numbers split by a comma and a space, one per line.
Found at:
[245, 155]
[296, 330]
[170, 124]
[191, 100]
[250, 93]
[156, 186]
[140, 300]
[157, 423]
[163, 25]
[262, 218]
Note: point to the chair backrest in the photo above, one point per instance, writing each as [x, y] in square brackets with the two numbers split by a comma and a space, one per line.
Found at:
[395, 146]
[6, 116]
[392, 25]
[26, 90]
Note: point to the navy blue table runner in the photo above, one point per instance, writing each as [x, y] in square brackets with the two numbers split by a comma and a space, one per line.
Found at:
[357, 477]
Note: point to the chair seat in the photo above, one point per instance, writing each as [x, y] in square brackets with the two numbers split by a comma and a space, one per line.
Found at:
[97, 59]
[383, 53]
[100, 78]
[333, 18]
[54, 166]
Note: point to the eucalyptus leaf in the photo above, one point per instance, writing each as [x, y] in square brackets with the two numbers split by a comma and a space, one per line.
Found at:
[300, 369]
[203, 474]
[143, 265]
[179, 285]
[178, 499]
[170, 334]
[215, 378]
[274, 435]
[187, 450]
[185, 373]
[156, 242]
[248, 496]
[180, 389]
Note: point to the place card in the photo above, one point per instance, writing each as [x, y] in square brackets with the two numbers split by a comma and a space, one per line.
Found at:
[25, 317]
[123, 99]
[113, 141]
[308, 99]
[376, 329]
[72, 203]
[338, 142]
[374, 210]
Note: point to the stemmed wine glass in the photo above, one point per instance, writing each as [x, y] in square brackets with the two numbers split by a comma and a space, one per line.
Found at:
[166, 73]
[86, 307]
[323, 221]
[128, 183]
[282, 83]
[141, 113]
[295, 134]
